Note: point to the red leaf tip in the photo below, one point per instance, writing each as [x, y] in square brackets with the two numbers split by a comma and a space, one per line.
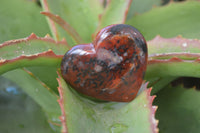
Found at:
[197, 60]
[32, 36]
[47, 36]
[2, 60]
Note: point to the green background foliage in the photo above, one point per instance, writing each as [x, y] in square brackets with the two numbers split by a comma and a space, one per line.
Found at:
[35, 107]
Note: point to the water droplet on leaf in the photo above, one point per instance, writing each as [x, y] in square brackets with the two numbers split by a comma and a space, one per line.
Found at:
[118, 128]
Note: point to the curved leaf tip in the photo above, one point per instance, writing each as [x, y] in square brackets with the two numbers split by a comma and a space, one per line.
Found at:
[64, 25]
[51, 22]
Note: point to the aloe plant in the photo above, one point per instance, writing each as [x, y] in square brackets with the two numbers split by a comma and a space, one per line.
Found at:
[35, 98]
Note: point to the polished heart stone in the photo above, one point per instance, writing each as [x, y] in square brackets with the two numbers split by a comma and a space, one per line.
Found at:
[111, 68]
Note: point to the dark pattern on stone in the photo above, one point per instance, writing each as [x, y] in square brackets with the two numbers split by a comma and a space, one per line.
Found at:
[111, 68]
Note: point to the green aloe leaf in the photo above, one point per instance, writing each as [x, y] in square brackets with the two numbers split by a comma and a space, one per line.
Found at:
[114, 13]
[46, 74]
[171, 20]
[38, 91]
[178, 110]
[30, 46]
[83, 115]
[70, 30]
[173, 57]
[43, 59]
[82, 15]
[18, 112]
[17, 21]
[160, 83]
[41, 55]
[159, 47]
[173, 67]
[141, 6]
[31, 51]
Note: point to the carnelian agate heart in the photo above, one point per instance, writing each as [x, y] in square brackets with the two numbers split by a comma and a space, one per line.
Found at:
[111, 68]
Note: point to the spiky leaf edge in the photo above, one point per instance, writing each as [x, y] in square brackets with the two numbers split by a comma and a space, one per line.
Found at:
[153, 121]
